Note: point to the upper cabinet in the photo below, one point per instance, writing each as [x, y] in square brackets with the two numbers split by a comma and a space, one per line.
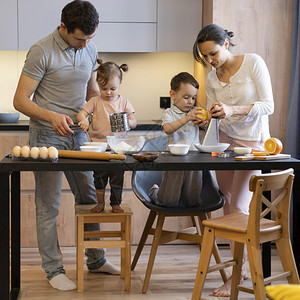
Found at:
[125, 25]
[178, 23]
[8, 24]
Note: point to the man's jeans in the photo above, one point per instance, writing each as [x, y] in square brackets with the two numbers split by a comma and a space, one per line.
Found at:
[47, 201]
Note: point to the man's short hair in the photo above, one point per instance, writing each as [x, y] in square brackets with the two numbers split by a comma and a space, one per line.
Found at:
[80, 15]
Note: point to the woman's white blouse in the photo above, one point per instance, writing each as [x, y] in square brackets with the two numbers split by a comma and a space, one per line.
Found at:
[251, 84]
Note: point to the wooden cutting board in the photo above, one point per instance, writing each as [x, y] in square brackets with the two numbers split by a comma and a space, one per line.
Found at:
[265, 157]
[89, 155]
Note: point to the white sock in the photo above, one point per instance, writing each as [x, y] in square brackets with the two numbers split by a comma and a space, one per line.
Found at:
[108, 268]
[62, 282]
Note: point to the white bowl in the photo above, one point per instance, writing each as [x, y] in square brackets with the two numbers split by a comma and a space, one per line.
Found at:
[93, 148]
[7, 117]
[179, 149]
[129, 145]
[220, 147]
[242, 150]
[102, 145]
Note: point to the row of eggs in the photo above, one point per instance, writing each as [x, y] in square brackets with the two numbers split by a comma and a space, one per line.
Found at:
[35, 152]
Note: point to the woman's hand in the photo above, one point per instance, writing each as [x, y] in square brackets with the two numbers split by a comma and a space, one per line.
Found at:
[221, 110]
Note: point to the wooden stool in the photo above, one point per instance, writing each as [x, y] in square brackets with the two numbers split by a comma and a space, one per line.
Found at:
[83, 216]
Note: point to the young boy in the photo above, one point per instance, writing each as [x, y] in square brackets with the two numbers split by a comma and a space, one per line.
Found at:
[181, 123]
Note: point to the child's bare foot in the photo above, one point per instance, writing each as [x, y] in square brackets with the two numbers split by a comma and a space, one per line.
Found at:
[98, 208]
[117, 208]
[224, 290]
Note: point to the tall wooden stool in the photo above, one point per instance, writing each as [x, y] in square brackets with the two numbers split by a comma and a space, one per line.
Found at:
[84, 215]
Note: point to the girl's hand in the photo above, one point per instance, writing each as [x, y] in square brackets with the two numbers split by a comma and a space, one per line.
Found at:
[84, 125]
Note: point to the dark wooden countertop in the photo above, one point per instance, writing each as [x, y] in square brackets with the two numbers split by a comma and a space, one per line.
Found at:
[23, 125]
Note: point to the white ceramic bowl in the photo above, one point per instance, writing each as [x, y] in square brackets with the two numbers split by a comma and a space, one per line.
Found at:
[129, 145]
[7, 117]
[102, 145]
[179, 149]
[220, 147]
[93, 148]
[242, 150]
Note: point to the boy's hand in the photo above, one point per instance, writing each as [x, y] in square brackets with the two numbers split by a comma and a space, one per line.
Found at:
[84, 125]
[192, 115]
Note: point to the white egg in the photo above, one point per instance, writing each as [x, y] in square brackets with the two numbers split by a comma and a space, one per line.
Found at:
[34, 152]
[25, 151]
[52, 152]
[16, 151]
[44, 153]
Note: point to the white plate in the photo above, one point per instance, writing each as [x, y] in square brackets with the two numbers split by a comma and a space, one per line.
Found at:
[219, 147]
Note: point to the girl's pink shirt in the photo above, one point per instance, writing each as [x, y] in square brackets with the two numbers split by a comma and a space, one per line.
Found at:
[101, 109]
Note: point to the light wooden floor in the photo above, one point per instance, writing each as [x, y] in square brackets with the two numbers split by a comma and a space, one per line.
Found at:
[172, 278]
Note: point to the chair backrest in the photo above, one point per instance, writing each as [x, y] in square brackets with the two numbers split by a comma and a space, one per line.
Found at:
[158, 143]
[280, 183]
[211, 196]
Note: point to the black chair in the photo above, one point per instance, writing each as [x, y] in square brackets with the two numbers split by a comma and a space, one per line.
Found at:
[212, 200]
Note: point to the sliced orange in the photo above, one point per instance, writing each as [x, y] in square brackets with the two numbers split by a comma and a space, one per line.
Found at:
[203, 114]
[273, 146]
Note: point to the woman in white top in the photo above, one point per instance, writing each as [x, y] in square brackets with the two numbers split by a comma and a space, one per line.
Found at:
[239, 93]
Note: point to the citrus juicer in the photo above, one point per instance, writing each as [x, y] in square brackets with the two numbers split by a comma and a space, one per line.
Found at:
[211, 137]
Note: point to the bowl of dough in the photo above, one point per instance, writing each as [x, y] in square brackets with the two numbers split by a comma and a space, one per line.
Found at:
[126, 145]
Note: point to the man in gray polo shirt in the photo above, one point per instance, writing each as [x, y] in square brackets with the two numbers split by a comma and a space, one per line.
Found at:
[58, 72]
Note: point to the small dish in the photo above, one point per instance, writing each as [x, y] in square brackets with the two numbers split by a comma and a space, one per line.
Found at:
[220, 147]
[146, 156]
[93, 148]
[102, 145]
[179, 149]
[242, 150]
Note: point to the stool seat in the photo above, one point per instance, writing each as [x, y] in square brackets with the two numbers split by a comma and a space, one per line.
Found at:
[109, 239]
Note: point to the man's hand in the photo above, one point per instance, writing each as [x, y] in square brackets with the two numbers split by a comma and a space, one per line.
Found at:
[60, 124]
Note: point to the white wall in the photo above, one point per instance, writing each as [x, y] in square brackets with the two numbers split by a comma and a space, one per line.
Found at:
[148, 77]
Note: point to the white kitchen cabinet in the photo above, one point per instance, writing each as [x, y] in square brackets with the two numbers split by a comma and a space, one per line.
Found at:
[126, 26]
[37, 19]
[8, 24]
[178, 24]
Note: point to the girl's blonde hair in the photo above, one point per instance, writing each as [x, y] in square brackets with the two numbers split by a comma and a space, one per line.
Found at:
[108, 69]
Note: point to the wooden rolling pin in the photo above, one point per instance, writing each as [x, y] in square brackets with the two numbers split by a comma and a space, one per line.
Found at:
[90, 155]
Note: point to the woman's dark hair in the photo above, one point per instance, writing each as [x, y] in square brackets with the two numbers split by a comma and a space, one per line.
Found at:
[80, 15]
[213, 33]
[183, 77]
[108, 69]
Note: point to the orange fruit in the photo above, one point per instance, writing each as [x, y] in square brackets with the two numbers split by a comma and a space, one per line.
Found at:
[273, 146]
[203, 115]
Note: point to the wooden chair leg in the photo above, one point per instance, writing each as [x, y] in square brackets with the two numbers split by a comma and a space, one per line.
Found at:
[123, 250]
[127, 253]
[148, 225]
[205, 255]
[237, 269]
[215, 249]
[254, 256]
[285, 253]
[79, 253]
[155, 244]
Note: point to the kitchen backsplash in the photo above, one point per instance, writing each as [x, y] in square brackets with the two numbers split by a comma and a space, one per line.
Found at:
[147, 79]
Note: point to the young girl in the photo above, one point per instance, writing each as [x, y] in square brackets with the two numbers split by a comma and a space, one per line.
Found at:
[109, 78]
